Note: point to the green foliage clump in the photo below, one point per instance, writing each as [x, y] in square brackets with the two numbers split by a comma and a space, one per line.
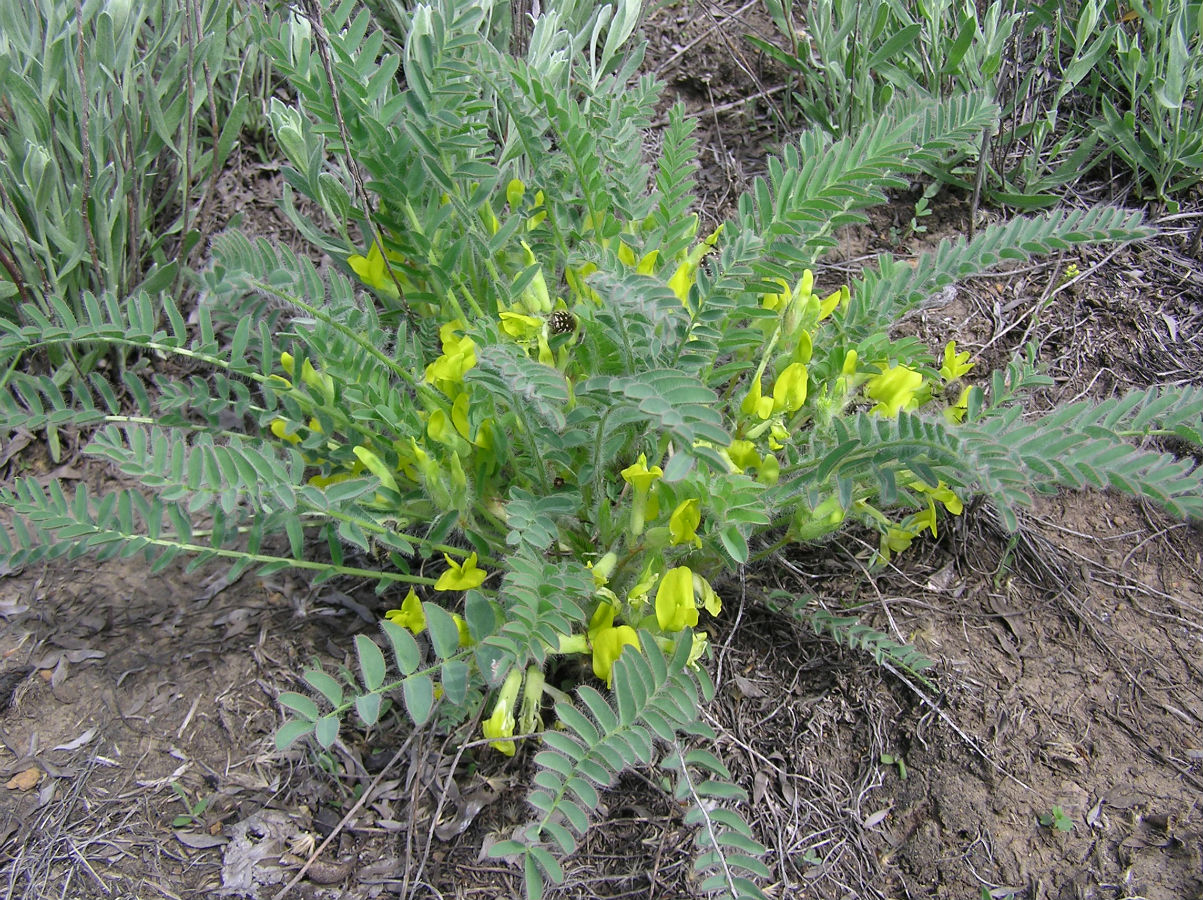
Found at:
[1075, 82]
[536, 399]
[115, 121]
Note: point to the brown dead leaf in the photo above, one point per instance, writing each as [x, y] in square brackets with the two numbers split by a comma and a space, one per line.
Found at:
[15, 444]
[24, 781]
[199, 840]
[46, 674]
[466, 809]
[747, 687]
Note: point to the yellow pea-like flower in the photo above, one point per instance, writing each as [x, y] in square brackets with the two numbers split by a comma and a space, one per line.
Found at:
[894, 390]
[461, 576]
[410, 615]
[684, 521]
[789, 393]
[675, 605]
[500, 725]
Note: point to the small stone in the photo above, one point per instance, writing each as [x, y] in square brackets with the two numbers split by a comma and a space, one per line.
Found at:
[25, 781]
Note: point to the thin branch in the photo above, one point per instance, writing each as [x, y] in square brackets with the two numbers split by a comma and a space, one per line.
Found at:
[85, 145]
[322, 41]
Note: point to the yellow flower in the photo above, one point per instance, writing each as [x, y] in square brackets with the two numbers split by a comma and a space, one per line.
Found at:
[684, 521]
[500, 724]
[535, 297]
[603, 568]
[802, 305]
[442, 428]
[778, 435]
[521, 327]
[894, 390]
[461, 576]
[755, 404]
[607, 647]
[682, 280]
[546, 357]
[925, 519]
[459, 356]
[779, 301]
[641, 478]
[895, 540]
[701, 641]
[805, 286]
[410, 614]
[373, 272]
[608, 640]
[686, 274]
[832, 300]
[955, 364]
[514, 191]
[942, 493]
[675, 606]
[743, 455]
[459, 416]
[789, 393]
[465, 637]
[709, 599]
[645, 266]
[279, 428]
[805, 347]
[957, 412]
[849, 367]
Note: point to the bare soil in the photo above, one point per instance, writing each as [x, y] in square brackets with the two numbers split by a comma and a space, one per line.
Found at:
[1068, 655]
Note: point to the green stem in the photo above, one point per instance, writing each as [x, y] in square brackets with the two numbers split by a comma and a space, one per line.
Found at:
[214, 361]
[377, 528]
[598, 481]
[540, 465]
[762, 555]
[349, 333]
[201, 549]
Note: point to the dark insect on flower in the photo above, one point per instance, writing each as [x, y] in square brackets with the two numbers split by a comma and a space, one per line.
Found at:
[561, 322]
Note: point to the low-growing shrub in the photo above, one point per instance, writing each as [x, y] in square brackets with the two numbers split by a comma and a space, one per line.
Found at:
[542, 412]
